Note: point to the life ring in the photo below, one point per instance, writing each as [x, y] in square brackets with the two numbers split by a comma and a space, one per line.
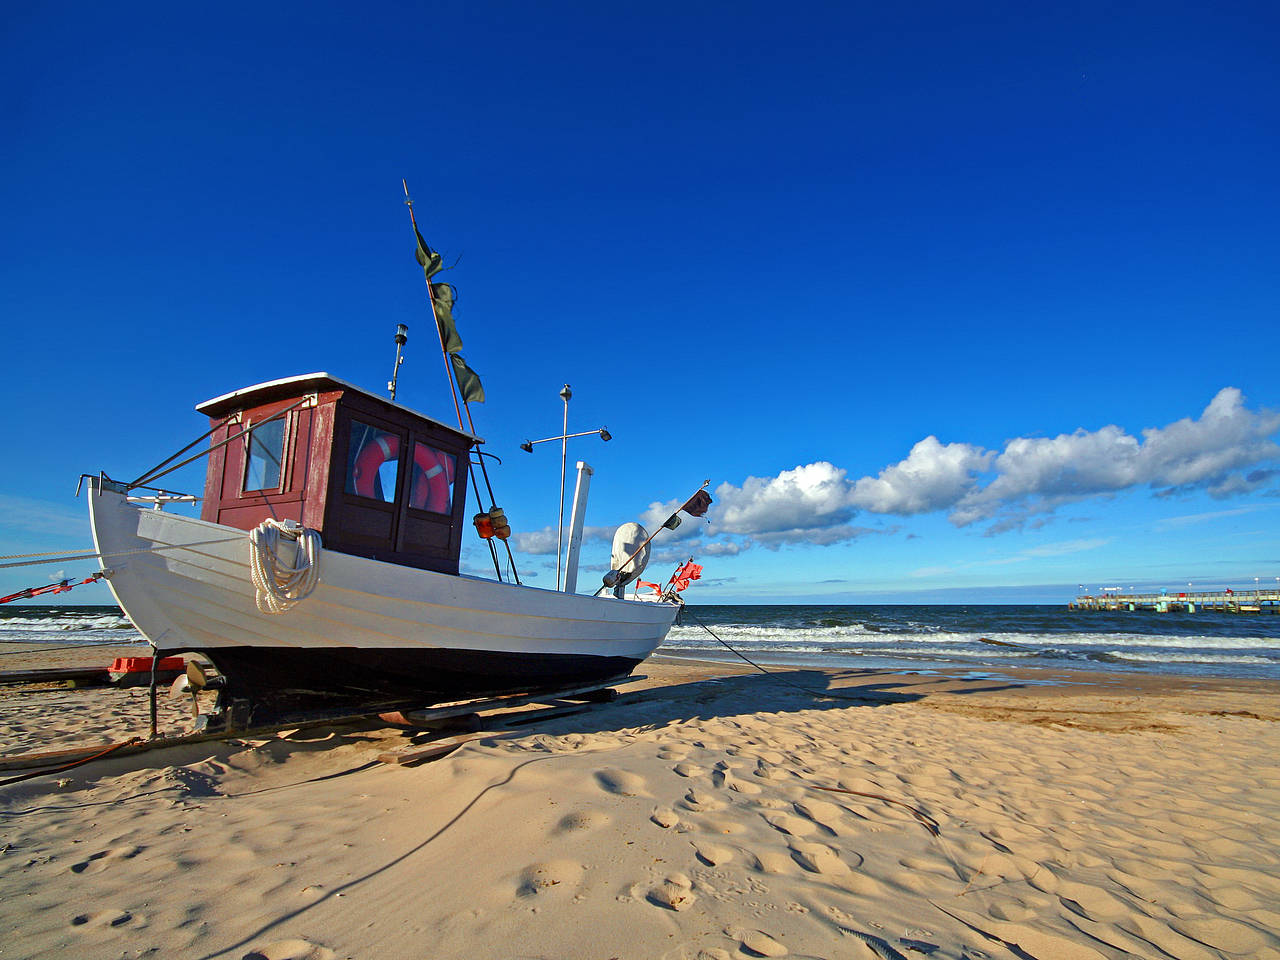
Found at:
[432, 474]
[432, 479]
[364, 475]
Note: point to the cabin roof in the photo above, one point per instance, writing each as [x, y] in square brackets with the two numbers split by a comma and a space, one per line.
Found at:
[307, 383]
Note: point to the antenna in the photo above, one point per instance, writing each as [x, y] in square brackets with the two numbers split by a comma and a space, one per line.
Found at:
[402, 337]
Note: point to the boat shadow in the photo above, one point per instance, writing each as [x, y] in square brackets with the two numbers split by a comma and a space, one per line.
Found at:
[780, 691]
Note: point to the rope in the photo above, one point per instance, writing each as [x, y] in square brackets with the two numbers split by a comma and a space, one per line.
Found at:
[279, 587]
[826, 694]
[116, 553]
[24, 556]
[68, 766]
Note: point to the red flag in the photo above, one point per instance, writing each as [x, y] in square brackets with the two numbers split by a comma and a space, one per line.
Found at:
[682, 577]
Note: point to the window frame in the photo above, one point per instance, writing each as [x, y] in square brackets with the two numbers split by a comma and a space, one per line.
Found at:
[251, 433]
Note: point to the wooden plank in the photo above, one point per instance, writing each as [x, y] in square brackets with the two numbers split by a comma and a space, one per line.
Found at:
[50, 758]
[435, 749]
[52, 674]
[527, 717]
[513, 700]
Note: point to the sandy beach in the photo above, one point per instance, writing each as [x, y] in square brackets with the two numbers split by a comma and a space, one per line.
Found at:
[710, 812]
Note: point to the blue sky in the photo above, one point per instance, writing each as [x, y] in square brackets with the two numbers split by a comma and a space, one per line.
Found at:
[949, 304]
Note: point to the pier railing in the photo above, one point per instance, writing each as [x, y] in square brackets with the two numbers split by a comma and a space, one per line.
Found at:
[1221, 601]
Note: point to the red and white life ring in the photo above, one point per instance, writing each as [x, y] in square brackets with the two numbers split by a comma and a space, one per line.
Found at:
[432, 479]
[433, 473]
[364, 475]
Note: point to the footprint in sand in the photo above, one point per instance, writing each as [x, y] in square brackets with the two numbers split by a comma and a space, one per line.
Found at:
[768, 771]
[821, 812]
[724, 778]
[664, 817]
[103, 859]
[290, 950]
[674, 893]
[687, 769]
[548, 876]
[713, 854]
[771, 861]
[725, 825]
[582, 820]
[794, 826]
[700, 800]
[620, 782]
[758, 943]
[819, 858]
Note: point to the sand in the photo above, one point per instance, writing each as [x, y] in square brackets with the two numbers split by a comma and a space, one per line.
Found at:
[711, 812]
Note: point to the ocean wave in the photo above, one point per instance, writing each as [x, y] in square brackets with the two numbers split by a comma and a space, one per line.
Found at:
[764, 637]
[1120, 656]
[64, 624]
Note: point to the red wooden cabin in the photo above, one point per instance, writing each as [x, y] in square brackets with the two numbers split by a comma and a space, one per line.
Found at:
[376, 479]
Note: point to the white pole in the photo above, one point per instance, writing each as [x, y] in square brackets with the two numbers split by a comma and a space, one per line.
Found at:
[565, 394]
[576, 522]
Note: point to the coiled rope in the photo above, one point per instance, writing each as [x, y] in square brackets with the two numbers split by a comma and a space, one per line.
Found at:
[280, 587]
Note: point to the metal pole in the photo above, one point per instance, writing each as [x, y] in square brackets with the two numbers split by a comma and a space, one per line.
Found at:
[402, 336]
[576, 522]
[565, 394]
[155, 656]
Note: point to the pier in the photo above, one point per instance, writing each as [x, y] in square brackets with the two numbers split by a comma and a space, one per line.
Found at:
[1224, 601]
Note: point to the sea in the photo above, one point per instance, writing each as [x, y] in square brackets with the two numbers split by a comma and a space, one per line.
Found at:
[896, 637]
[983, 638]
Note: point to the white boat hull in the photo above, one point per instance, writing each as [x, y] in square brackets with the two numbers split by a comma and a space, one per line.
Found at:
[370, 629]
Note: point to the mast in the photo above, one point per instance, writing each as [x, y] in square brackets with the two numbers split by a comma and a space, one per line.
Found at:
[454, 391]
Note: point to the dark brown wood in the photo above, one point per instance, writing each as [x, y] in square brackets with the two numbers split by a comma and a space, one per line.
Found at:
[433, 750]
[96, 675]
[606, 695]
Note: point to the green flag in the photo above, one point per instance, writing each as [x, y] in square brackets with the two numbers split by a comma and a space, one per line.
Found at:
[443, 296]
[428, 259]
[468, 382]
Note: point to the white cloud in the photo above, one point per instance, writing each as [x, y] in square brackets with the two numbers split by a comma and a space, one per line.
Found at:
[1038, 474]
[813, 496]
[934, 476]
[1224, 451]
[544, 541]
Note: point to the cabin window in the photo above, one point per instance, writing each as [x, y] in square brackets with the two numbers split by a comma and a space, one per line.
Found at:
[433, 474]
[373, 461]
[266, 450]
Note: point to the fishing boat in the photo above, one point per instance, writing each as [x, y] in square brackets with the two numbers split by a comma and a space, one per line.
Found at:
[324, 564]
[386, 617]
